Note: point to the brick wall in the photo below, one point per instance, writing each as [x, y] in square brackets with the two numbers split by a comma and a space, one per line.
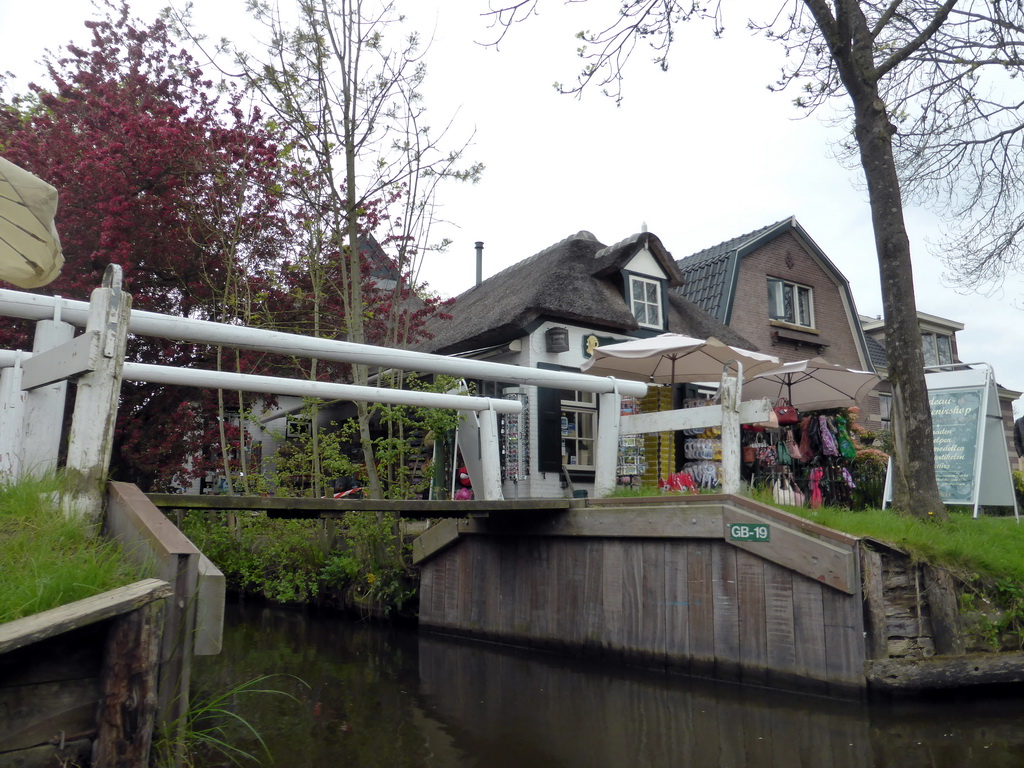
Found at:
[786, 258]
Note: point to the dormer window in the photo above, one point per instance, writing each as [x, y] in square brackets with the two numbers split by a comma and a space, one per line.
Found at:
[645, 299]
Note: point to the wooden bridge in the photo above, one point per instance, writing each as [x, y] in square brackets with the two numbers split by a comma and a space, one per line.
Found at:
[710, 585]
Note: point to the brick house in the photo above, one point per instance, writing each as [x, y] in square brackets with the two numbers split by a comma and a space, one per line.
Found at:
[777, 288]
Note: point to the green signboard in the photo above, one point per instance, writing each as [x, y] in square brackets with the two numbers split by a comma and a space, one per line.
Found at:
[749, 532]
[956, 423]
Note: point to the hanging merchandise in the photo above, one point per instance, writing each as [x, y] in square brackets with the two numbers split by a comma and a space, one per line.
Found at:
[846, 446]
[829, 447]
[792, 447]
[814, 485]
[784, 491]
[784, 458]
[766, 453]
[785, 412]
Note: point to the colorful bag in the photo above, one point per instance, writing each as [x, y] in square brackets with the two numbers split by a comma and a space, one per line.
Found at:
[766, 454]
[829, 447]
[846, 446]
[785, 412]
[792, 447]
[784, 458]
[749, 454]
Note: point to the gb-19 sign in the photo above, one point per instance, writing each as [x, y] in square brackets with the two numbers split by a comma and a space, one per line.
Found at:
[748, 532]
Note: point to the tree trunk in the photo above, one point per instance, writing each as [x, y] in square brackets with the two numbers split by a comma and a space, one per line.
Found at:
[915, 490]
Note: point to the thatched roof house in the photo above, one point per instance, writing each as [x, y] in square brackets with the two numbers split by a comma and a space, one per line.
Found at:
[579, 281]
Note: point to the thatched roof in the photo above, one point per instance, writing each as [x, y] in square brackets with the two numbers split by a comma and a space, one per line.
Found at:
[576, 281]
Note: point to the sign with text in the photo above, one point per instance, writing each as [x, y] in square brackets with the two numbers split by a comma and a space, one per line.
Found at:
[972, 465]
[956, 424]
[749, 532]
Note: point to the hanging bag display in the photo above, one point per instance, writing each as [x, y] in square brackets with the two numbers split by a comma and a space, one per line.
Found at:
[846, 446]
[749, 454]
[785, 412]
[784, 458]
[792, 447]
[773, 420]
[766, 455]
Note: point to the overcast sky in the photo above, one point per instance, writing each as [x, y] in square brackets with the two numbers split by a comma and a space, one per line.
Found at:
[700, 154]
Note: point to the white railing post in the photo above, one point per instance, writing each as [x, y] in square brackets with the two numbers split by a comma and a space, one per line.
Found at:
[44, 412]
[490, 455]
[92, 426]
[12, 421]
[606, 450]
[731, 450]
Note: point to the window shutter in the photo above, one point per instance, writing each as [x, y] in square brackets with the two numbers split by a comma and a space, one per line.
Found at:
[549, 425]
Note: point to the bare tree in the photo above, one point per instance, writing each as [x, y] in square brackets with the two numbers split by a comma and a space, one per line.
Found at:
[354, 105]
[930, 90]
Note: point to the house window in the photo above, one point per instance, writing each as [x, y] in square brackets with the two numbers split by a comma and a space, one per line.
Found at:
[298, 425]
[578, 424]
[884, 408]
[645, 298]
[938, 349]
[790, 302]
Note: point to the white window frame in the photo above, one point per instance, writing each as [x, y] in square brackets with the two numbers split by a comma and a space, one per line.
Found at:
[777, 288]
[638, 299]
[579, 430]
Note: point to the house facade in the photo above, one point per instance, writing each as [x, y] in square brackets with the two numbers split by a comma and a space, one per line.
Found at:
[550, 311]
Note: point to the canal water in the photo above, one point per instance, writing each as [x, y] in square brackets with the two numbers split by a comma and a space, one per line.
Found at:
[351, 694]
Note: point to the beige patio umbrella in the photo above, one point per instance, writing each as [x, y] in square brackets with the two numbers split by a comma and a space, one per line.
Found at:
[30, 254]
[811, 384]
[672, 357]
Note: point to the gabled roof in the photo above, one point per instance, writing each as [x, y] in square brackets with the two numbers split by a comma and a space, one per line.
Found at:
[710, 276]
[575, 281]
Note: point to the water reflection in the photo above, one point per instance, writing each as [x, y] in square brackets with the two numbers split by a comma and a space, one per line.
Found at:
[391, 698]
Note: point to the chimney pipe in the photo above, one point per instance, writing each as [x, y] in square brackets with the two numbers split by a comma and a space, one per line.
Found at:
[479, 261]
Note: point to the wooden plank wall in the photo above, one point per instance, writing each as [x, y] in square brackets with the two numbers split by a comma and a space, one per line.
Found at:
[701, 606]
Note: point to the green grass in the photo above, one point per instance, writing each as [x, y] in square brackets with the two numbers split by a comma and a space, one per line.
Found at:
[988, 546]
[47, 559]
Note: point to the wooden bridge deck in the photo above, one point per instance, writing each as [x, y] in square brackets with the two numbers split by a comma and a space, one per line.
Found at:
[329, 508]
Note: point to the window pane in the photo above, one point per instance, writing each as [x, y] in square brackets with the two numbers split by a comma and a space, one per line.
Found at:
[928, 343]
[651, 293]
[945, 353]
[804, 296]
[640, 311]
[787, 303]
[884, 407]
[775, 309]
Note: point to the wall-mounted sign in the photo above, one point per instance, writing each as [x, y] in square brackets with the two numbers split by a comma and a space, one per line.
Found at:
[749, 532]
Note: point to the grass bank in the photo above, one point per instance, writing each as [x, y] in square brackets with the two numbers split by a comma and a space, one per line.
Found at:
[47, 559]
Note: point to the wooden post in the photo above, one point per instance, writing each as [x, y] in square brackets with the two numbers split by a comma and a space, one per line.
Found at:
[44, 414]
[731, 450]
[490, 455]
[12, 421]
[606, 450]
[127, 711]
[92, 427]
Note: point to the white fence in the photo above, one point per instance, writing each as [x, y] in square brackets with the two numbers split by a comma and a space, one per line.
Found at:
[32, 387]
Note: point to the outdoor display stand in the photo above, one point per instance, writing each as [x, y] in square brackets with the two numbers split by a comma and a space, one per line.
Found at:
[972, 466]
